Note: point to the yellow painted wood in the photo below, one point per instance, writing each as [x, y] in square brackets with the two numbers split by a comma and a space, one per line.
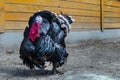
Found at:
[85, 12]
[35, 2]
[15, 25]
[86, 19]
[112, 25]
[85, 25]
[32, 8]
[113, 3]
[67, 4]
[69, 11]
[17, 16]
[112, 20]
[112, 6]
[80, 12]
[102, 15]
[111, 14]
[86, 1]
[19, 11]
[29, 8]
[23, 8]
[2, 6]
[22, 25]
[50, 1]
[112, 9]
[25, 16]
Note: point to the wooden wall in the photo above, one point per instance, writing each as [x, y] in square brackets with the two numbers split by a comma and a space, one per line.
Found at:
[1, 16]
[85, 12]
[112, 14]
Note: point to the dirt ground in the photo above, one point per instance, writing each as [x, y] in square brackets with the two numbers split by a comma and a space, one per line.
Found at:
[91, 60]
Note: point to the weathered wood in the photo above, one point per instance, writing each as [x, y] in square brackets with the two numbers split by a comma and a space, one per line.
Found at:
[25, 16]
[15, 25]
[97, 2]
[86, 19]
[22, 8]
[86, 13]
[111, 14]
[21, 25]
[52, 1]
[86, 25]
[2, 6]
[112, 9]
[112, 25]
[102, 15]
[35, 2]
[62, 4]
[81, 12]
[113, 3]
[17, 16]
[76, 5]
[111, 20]
[31, 9]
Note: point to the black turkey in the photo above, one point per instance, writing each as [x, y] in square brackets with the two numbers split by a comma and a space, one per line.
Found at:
[44, 40]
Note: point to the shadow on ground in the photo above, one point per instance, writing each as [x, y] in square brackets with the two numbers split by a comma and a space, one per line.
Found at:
[17, 72]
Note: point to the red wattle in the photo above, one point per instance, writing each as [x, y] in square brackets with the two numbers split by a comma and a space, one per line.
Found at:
[34, 31]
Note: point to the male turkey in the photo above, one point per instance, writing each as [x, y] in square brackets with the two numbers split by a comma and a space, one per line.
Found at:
[44, 40]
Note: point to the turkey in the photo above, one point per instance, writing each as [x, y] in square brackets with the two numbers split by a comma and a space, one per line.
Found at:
[44, 40]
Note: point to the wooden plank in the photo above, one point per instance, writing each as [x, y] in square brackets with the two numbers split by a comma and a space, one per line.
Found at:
[80, 12]
[83, 29]
[22, 8]
[74, 11]
[112, 25]
[17, 16]
[113, 3]
[21, 25]
[86, 19]
[2, 15]
[112, 20]
[85, 25]
[67, 4]
[85, 1]
[29, 8]
[111, 14]
[112, 9]
[33, 8]
[51, 1]
[114, 0]
[24, 1]
[15, 25]
[102, 15]
[25, 16]
[35, 2]
[54, 3]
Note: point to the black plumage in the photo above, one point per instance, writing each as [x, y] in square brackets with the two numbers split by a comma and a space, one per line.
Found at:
[50, 46]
